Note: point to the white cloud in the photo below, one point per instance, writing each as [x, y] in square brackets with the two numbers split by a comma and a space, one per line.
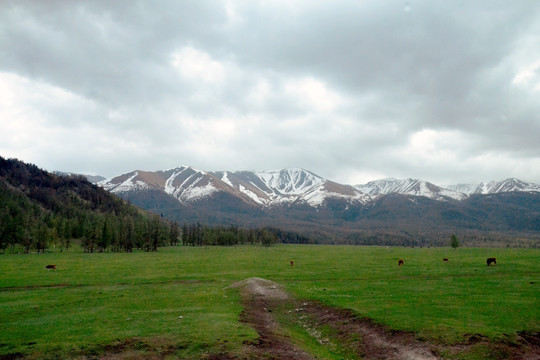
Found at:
[313, 94]
[197, 65]
[528, 76]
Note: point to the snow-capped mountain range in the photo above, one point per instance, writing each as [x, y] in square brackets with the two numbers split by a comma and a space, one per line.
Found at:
[292, 186]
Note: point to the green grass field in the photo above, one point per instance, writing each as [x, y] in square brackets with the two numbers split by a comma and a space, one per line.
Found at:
[176, 300]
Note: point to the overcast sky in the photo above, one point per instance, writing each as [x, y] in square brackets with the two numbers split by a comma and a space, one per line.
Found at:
[445, 91]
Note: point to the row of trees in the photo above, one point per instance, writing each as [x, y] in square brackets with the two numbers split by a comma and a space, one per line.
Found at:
[201, 235]
[124, 234]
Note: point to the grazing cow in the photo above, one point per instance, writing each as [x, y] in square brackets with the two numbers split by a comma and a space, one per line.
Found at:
[292, 263]
[401, 262]
[445, 259]
[491, 260]
[50, 267]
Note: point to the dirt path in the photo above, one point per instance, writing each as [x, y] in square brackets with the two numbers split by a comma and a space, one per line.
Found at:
[260, 297]
[367, 340]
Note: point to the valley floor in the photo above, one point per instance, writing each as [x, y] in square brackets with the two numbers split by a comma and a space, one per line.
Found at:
[334, 302]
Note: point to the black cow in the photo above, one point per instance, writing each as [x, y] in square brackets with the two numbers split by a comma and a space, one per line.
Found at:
[491, 261]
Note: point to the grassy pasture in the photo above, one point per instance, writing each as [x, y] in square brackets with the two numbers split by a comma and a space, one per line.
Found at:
[178, 295]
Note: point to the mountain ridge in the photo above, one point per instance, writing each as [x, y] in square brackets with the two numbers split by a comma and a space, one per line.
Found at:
[286, 186]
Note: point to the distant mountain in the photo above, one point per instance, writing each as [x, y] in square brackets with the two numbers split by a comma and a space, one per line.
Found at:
[259, 188]
[300, 200]
[495, 187]
[184, 184]
[293, 186]
[91, 178]
[409, 187]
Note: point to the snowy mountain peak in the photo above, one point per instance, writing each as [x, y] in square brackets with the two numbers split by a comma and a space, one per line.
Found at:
[289, 181]
[274, 187]
[509, 185]
[184, 183]
[494, 187]
[124, 183]
[408, 186]
[185, 168]
[189, 184]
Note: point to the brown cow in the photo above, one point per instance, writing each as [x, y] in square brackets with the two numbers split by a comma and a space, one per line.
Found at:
[292, 263]
[50, 267]
[445, 259]
[401, 262]
[491, 260]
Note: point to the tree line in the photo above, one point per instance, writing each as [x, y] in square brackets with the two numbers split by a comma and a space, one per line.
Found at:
[203, 235]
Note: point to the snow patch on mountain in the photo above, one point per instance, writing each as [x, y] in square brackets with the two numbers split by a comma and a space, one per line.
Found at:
[466, 189]
[318, 196]
[169, 188]
[249, 194]
[194, 193]
[226, 180]
[130, 184]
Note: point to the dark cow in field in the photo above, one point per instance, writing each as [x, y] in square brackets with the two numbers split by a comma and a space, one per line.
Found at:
[292, 263]
[445, 259]
[491, 261]
[50, 267]
[401, 262]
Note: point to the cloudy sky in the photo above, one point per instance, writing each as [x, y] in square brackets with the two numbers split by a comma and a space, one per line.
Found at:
[445, 91]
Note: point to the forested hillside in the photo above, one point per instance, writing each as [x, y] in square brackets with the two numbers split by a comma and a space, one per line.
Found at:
[40, 210]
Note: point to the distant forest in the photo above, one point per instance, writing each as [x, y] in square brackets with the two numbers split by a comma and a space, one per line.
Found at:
[200, 235]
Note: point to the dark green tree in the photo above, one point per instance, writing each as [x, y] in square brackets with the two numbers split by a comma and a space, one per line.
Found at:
[454, 242]
[173, 234]
[42, 238]
[128, 240]
[185, 234]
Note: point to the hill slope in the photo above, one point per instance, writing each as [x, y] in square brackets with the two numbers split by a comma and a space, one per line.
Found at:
[39, 209]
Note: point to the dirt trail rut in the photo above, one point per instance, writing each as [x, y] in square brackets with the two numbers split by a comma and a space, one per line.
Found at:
[260, 297]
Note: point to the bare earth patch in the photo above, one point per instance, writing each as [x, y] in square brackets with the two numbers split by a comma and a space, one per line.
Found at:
[367, 339]
[360, 336]
[260, 296]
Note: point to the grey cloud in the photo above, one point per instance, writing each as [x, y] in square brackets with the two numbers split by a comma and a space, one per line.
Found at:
[398, 69]
[107, 51]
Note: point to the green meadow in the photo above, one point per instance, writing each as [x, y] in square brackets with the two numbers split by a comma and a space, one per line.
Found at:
[176, 301]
